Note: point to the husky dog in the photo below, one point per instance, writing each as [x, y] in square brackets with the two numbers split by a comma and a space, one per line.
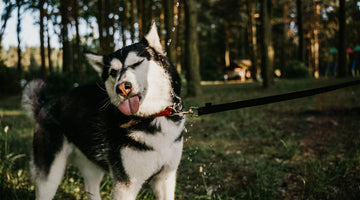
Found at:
[129, 127]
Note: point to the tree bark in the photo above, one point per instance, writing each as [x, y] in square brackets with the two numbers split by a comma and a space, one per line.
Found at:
[251, 30]
[227, 44]
[267, 51]
[315, 71]
[343, 68]
[179, 42]
[18, 31]
[284, 42]
[109, 44]
[124, 23]
[300, 30]
[77, 50]
[101, 23]
[192, 55]
[48, 45]
[132, 21]
[42, 40]
[140, 5]
[148, 14]
[170, 45]
[64, 4]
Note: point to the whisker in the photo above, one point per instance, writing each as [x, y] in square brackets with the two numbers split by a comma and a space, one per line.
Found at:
[107, 102]
[101, 87]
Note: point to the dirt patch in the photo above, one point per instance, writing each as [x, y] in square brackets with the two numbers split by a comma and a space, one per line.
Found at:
[330, 128]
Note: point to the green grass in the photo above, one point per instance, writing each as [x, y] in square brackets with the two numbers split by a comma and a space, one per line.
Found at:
[307, 148]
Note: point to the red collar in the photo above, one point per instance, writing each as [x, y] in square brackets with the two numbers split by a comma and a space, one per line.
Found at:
[168, 111]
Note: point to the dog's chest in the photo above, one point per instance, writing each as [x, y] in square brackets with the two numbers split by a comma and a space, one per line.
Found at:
[165, 149]
[166, 134]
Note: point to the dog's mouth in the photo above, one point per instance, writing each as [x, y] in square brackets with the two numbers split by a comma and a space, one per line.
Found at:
[130, 106]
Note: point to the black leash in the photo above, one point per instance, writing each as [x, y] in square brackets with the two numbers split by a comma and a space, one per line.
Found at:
[209, 108]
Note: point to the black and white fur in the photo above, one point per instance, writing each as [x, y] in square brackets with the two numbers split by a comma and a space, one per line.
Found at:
[86, 128]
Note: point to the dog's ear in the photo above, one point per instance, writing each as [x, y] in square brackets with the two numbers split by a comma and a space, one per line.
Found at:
[96, 61]
[153, 39]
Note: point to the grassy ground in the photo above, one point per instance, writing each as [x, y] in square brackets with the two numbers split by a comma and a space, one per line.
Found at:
[301, 149]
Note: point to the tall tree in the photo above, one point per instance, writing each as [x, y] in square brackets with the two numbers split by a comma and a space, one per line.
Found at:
[132, 20]
[47, 19]
[267, 51]
[18, 31]
[284, 38]
[251, 30]
[124, 22]
[64, 12]
[299, 20]
[77, 46]
[148, 14]
[140, 5]
[343, 69]
[192, 63]
[313, 28]
[170, 45]
[41, 4]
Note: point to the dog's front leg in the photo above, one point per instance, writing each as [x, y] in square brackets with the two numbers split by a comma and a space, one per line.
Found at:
[126, 191]
[164, 185]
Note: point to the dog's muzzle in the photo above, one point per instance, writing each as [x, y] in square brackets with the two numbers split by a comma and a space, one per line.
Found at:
[124, 88]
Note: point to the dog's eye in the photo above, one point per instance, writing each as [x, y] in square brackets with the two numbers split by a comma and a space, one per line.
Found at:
[136, 64]
[113, 72]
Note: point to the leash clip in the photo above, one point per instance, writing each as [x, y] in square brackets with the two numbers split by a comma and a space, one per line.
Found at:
[189, 112]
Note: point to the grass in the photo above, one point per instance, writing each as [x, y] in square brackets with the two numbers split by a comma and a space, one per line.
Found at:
[300, 149]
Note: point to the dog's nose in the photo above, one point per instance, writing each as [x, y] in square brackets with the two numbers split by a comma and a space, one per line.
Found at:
[124, 88]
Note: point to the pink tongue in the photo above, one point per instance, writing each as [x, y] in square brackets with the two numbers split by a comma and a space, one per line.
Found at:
[130, 106]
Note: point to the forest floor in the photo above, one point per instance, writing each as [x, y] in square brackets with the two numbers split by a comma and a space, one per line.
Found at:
[307, 148]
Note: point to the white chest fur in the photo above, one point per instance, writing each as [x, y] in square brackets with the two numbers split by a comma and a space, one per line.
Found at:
[166, 150]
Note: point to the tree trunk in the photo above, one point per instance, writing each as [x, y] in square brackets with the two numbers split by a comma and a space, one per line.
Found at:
[132, 21]
[109, 44]
[148, 14]
[315, 71]
[64, 4]
[170, 44]
[284, 42]
[300, 30]
[77, 50]
[227, 45]
[179, 42]
[49, 46]
[267, 51]
[124, 23]
[42, 40]
[140, 5]
[251, 30]
[192, 55]
[18, 31]
[101, 23]
[342, 69]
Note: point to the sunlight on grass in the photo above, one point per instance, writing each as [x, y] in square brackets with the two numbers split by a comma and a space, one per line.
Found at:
[11, 112]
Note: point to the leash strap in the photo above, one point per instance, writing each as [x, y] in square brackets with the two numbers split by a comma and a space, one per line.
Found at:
[209, 108]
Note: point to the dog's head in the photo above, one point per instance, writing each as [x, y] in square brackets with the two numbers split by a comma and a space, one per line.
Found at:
[138, 78]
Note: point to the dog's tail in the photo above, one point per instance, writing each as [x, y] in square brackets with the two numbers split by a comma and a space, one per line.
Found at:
[32, 98]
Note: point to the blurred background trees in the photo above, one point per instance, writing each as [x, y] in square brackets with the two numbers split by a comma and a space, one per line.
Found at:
[206, 39]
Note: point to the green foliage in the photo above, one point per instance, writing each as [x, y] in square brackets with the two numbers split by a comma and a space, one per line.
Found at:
[295, 69]
[9, 79]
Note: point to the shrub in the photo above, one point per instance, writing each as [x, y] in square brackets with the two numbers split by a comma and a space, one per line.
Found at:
[9, 80]
[295, 69]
